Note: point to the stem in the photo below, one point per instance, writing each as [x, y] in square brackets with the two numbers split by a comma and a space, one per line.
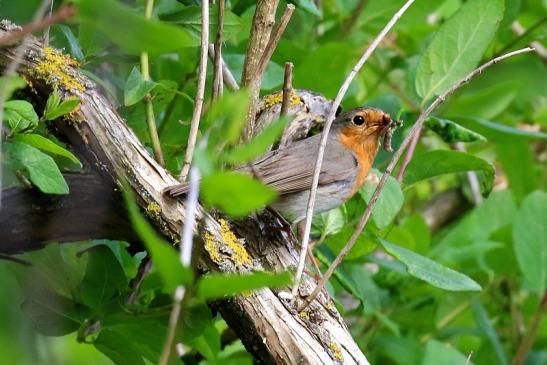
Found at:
[522, 34]
[540, 48]
[263, 21]
[530, 337]
[409, 154]
[60, 15]
[472, 178]
[217, 68]
[227, 75]
[396, 156]
[186, 247]
[348, 25]
[274, 39]
[287, 88]
[321, 152]
[200, 92]
[46, 32]
[150, 117]
[144, 269]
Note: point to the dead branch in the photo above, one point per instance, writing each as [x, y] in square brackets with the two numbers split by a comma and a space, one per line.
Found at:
[267, 327]
[263, 21]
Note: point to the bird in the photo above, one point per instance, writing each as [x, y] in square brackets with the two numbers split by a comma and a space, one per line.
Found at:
[352, 145]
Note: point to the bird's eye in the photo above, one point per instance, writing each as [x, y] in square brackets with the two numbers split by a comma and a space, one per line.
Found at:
[358, 120]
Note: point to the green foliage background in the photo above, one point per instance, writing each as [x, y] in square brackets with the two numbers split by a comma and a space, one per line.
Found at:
[410, 295]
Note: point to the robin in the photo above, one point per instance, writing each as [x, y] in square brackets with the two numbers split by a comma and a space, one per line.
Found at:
[352, 145]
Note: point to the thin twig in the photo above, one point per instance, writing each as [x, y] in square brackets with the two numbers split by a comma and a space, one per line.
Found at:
[187, 237]
[200, 92]
[150, 117]
[321, 152]
[11, 69]
[251, 78]
[46, 32]
[472, 178]
[348, 25]
[287, 89]
[528, 340]
[60, 15]
[217, 68]
[521, 33]
[540, 48]
[227, 75]
[144, 268]
[396, 156]
[409, 153]
[468, 361]
[274, 38]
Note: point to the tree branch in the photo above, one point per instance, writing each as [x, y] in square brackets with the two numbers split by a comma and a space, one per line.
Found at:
[200, 92]
[263, 21]
[265, 323]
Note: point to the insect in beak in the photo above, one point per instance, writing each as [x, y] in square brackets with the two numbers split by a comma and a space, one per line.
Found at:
[391, 125]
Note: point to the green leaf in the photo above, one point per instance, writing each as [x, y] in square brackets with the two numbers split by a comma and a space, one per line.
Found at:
[308, 6]
[486, 102]
[190, 18]
[20, 115]
[273, 75]
[103, 278]
[439, 162]
[236, 194]
[216, 286]
[136, 87]
[328, 223]
[227, 115]
[518, 163]
[440, 353]
[131, 30]
[452, 132]
[498, 132]
[57, 108]
[164, 256]
[430, 271]
[485, 325]
[73, 42]
[389, 202]
[46, 144]
[364, 245]
[118, 348]
[530, 241]
[51, 313]
[207, 343]
[458, 46]
[14, 82]
[42, 169]
[258, 145]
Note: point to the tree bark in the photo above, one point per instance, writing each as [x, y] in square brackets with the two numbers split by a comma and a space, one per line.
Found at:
[268, 327]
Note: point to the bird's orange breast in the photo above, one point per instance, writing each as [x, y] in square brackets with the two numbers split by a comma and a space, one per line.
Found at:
[364, 148]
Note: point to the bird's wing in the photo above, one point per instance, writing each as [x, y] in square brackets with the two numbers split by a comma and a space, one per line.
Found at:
[291, 169]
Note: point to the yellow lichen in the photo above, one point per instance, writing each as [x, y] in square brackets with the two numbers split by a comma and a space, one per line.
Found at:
[240, 255]
[304, 315]
[277, 98]
[153, 210]
[58, 70]
[337, 351]
[228, 244]
[212, 246]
